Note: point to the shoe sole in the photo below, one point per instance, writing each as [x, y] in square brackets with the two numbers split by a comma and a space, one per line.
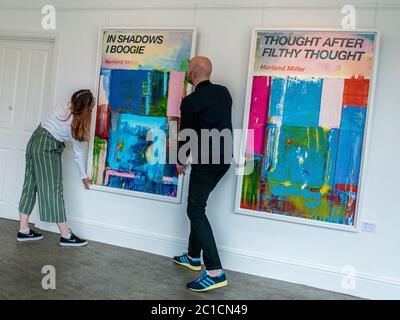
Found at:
[73, 244]
[193, 268]
[214, 286]
[30, 239]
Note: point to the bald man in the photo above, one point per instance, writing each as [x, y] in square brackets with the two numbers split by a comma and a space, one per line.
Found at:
[207, 108]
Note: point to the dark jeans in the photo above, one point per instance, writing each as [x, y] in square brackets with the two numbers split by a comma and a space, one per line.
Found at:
[203, 179]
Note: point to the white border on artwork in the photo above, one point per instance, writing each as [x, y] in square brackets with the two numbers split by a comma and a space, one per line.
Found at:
[367, 132]
[139, 194]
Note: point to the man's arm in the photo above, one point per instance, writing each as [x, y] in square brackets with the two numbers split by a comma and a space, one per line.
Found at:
[188, 115]
[187, 121]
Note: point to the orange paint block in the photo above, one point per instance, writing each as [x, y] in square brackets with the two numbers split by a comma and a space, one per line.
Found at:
[356, 92]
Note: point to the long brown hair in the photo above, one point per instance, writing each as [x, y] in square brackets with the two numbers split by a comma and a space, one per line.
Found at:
[82, 102]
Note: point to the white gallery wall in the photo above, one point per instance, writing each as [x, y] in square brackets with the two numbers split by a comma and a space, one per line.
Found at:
[363, 264]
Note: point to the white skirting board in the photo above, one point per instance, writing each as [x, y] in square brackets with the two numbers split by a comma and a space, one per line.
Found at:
[324, 277]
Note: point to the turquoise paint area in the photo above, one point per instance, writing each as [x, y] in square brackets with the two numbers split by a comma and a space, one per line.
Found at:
[301, 156]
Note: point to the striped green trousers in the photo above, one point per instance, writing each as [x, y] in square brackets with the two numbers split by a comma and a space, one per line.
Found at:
[43, 176]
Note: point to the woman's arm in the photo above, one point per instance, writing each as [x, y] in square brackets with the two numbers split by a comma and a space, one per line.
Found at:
[77, 148]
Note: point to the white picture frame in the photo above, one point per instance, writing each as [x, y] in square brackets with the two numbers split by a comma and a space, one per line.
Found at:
[125, 192]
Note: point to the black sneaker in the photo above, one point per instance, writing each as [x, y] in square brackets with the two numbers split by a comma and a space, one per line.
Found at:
[31, 236]
[191, 263]
[74, 241]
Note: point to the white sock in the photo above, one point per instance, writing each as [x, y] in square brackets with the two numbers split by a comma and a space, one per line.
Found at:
[67, 236]
[218, 275]
[25, 231]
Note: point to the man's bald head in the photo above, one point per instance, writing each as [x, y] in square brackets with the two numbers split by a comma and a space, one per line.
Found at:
[202, 65]
[199, 69]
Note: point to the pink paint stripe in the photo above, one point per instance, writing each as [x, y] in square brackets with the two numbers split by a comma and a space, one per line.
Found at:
[167, 179]
[331, 103]
[170, 180]
[116, 174]
[175, 92]
[259, 106]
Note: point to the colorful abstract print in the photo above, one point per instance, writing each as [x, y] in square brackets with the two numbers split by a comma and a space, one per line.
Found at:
[133, 105]
[308, 141]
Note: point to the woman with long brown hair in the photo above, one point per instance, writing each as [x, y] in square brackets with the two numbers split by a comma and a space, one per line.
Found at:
[43, 172]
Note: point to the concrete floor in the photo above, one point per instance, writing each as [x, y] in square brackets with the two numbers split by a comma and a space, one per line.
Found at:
[102, 271]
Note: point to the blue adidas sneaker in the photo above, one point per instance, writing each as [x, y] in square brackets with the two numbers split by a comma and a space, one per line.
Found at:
[191, 263]
[207, 283]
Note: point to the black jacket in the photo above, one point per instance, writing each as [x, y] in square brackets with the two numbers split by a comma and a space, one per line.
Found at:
[208, 107]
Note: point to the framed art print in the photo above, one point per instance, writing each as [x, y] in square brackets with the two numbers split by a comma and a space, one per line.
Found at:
[140, 82]
[308, 103]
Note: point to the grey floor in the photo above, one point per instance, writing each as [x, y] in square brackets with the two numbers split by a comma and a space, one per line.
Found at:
[102, 271]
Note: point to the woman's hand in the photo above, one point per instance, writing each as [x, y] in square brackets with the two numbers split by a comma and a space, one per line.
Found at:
[87, 182]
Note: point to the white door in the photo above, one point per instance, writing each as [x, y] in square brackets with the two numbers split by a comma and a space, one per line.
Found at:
[25, 75]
